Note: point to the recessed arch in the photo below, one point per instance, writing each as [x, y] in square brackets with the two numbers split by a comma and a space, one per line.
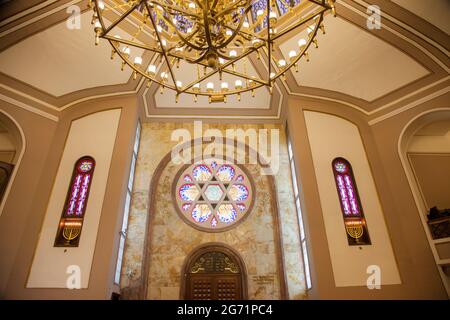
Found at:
[18, 136]
[234, 273]
[408, 131]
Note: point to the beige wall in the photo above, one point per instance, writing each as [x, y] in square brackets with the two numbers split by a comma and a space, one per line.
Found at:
[23, 216]
[331, 137]
[418, 272]
[93, 135]
[255, 239]
[432, 172]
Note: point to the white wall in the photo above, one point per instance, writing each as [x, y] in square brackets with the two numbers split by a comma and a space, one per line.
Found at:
[332, 137]
[92, 135]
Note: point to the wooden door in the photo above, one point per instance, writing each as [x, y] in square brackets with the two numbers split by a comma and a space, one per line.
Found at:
[214, 275]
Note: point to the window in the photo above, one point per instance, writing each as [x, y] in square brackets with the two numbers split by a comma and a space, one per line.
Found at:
[300, 217]
[123, 230]
[213, 195]
[71, 223]
[355, 223]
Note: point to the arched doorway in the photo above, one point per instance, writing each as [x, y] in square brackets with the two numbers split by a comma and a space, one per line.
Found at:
[214, 272]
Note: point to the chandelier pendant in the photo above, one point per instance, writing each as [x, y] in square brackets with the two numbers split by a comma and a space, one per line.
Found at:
[168, 42]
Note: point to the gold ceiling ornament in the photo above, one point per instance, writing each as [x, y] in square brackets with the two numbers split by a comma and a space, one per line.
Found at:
[199, 47]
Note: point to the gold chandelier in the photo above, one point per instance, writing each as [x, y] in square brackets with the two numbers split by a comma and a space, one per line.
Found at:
[198, 47]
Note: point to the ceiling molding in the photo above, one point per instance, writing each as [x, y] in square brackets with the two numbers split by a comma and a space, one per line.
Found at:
[28, 108]
[410, 106]
[391, 24]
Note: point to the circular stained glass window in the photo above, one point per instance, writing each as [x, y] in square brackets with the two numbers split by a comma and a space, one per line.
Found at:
[340, 166]
[213, 195]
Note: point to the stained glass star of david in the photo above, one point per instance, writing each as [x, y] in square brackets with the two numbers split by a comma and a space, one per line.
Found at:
[213, 195]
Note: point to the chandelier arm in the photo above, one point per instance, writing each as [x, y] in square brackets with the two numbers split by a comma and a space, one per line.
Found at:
[175, 8]
[235, 32]
[322, 3]
[186, 42]
[189, 37]
[206, 24]
[233, 7]
[199, 3]
[133, 44]
[308, 18]
[121, 18]
[162, 48]
[222, 69]
[304, 50]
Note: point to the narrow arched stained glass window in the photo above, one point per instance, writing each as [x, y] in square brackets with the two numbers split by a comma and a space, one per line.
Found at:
[352, 210]
[71, 223]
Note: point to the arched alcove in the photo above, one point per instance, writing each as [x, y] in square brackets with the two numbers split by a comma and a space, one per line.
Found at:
[408, 145]
[12, 147]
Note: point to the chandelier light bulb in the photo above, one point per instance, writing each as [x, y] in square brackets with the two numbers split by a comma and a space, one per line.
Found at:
[97, 25]
[273, 17]
[126, 51]
[178, 34]
[301, 43]
[151, 69]
[196, 87]
[138, 61]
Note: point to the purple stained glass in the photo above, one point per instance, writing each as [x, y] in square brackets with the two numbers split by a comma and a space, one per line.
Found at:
[188, 192]
[241, 206]
[226, 213]
[201, 213]
[214, 222]
[240, 178]
[351, 194]
[201, 173]
[214, 164]
[186, 206]
[187, 178]
[238, 192]
[343, 195]
[79, 189]
[225, 173]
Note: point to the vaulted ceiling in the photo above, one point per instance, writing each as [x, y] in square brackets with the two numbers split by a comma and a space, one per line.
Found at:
[48, 67]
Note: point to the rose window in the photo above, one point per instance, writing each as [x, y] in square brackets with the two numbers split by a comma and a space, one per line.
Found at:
[213, 195]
